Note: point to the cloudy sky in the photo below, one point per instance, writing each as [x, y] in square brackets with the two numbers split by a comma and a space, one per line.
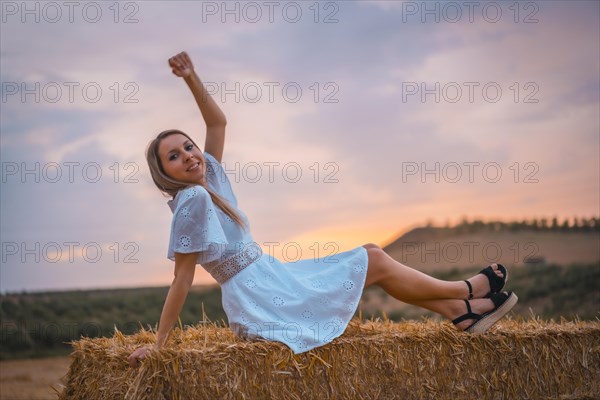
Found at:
[348, 122]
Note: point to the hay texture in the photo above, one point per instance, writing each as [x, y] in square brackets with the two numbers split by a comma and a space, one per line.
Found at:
[371, 360]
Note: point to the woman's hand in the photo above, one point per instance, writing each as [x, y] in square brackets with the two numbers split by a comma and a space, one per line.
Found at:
[181, 64]
[138, 355]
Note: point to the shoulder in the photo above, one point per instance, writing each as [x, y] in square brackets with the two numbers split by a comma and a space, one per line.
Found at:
[191, 191]
[209, 157]
[192, 205]
[191, 195]
[216, 177]
[213, 167]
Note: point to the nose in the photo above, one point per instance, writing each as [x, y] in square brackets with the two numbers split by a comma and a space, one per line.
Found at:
[188, 156]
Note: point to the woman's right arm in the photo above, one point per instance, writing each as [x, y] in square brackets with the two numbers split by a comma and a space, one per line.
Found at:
[185, 267]
[213, 116]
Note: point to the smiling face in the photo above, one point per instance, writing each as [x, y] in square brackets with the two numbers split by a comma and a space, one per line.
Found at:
[181, 159]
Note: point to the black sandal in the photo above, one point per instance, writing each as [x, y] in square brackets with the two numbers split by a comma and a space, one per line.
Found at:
[503, 303]
[496, 283]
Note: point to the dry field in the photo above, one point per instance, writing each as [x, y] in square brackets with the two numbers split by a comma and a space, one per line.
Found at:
[32, 379]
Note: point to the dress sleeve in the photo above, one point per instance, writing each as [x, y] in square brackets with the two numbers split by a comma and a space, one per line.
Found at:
[196, 228]
[218, 180]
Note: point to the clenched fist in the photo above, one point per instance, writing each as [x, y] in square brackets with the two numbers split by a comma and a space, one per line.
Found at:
[181, 65]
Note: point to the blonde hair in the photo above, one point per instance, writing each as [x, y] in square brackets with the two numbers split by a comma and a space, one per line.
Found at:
[170, 186]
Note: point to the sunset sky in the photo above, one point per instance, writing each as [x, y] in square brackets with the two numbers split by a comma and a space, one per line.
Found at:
[348, 122]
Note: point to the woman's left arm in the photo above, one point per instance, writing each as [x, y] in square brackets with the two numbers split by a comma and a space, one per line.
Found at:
[211, 113]
[185, 267]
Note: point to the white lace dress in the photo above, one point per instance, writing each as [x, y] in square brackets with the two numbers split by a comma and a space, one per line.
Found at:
[304, 304]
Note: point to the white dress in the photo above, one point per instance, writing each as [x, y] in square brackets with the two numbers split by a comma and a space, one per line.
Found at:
[304, 304]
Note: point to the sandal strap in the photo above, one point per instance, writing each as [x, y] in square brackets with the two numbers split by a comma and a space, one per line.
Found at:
[496, 283]
[470, 289]
[469, 315]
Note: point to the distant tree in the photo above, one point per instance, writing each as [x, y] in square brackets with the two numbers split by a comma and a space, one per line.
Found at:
[513, 226]
[596, 224]
[463, 225]
[555, 224]
[586, 225]
[493, 226]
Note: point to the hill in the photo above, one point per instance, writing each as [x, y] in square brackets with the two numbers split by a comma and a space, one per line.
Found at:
[435, 248]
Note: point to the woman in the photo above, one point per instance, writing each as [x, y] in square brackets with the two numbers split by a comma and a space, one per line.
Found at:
[305, 304]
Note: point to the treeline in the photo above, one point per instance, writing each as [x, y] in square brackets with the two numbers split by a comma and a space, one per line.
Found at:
[577, 224]
[43, 324]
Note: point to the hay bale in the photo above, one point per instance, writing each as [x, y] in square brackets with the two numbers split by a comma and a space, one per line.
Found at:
[372, 360]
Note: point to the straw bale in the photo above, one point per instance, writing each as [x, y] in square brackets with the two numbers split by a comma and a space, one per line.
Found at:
[372, 360]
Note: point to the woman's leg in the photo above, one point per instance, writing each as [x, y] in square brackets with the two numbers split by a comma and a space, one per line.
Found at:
[409, 285]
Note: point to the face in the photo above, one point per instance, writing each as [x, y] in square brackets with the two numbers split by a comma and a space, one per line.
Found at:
[181, 159]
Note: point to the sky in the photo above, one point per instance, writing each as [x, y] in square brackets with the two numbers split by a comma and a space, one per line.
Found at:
[349, 122]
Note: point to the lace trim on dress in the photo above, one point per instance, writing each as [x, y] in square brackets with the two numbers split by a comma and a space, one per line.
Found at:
[222, 271]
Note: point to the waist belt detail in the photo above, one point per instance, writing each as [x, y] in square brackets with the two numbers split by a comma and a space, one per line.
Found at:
[222, 271]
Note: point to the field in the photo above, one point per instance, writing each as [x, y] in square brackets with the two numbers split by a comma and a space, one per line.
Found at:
[32, 379]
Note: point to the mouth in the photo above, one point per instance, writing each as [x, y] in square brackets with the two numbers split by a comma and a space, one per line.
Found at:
[193, 167]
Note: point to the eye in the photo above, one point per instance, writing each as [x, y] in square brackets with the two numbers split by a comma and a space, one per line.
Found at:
[189, 147]
[172, 156]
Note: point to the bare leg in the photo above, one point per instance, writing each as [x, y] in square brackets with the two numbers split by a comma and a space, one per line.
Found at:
[409, 285]
[414, 287]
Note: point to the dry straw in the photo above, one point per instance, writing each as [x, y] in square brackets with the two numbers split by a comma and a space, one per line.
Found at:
[371, 360]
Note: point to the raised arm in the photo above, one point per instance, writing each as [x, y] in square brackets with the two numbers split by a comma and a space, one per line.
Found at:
[214, 118]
